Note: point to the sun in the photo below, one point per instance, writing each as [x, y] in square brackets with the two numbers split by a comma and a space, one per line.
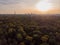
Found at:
[43, 5]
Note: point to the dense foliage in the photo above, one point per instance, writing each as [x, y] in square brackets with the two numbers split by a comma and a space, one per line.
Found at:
[29, 30]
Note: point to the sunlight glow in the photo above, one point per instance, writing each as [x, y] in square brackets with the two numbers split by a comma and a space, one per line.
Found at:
[43, 5]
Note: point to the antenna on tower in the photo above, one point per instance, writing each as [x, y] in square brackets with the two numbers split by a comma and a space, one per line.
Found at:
[14, 12]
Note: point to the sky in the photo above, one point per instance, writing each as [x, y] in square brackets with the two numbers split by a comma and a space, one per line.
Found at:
[26, 6]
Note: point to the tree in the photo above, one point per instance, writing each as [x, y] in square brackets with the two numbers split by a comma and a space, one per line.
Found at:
[45, 38]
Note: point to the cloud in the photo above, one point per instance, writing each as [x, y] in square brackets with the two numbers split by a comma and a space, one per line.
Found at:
[17, 1]
[9, 1]
[56, 3]
[18, 4]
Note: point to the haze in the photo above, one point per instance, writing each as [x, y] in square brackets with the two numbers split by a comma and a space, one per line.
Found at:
[26, 6]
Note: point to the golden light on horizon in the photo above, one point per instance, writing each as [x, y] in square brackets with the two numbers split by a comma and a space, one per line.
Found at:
[43, 5]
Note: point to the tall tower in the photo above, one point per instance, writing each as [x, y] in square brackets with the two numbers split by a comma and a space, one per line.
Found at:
[14, 12]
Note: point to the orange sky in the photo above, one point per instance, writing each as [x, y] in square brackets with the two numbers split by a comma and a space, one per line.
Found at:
[34, 11]
[27, 6]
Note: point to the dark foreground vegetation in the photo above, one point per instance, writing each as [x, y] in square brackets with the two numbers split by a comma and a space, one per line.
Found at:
[29, 30]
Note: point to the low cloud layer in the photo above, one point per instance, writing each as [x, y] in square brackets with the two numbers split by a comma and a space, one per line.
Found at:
[9, 1]
[17, 1]
[23, 4]
[55, 3]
